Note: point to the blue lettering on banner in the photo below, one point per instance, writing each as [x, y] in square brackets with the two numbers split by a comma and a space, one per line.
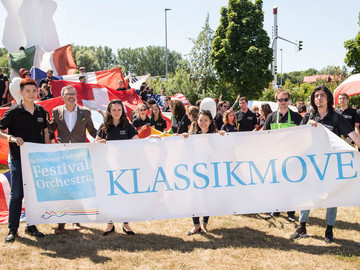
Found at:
[62, 175]
[293, 169]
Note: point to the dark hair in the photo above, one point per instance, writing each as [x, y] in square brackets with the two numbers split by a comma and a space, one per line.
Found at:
[301, 108]
[47, 87]
[152, 115]
[197, 129]
[177, 108]
[198, 102]
[151, 101]
[244, 98]
[142, 88]
[108, 120]
[265, 107]
[344, 95]
[168, 97]
[27, 81]
[330, 98]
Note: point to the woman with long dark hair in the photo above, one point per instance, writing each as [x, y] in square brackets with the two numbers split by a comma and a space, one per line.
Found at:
[156, 119]
[180, 121]
[116, 126]
[265, 111]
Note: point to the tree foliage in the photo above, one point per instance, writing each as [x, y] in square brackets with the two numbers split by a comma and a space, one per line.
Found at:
[241, 54]
[352, 58]
[201, 70]
[151, 59]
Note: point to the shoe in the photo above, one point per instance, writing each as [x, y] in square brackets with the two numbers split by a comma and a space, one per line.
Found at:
[60, 229]
[291, 217]
[198, 230]
[299, 233]
[32, 230]
[276, 214]
[11, 236]
[329, 236]
[127, 232]
[109, 232]
[77, 226]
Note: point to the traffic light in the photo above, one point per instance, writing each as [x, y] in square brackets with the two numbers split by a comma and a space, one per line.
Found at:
[275, 69]
[299, 45]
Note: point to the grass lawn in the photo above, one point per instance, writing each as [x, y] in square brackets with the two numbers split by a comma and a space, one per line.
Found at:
[233, 242]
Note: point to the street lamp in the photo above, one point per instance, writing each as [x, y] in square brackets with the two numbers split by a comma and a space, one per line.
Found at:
[281, 50]
[166, 56]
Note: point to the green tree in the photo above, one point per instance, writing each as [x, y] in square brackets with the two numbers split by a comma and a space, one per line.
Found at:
[200, 62]
[105, 57]
[141, 61]
[352, 58]
[241, 54]
[4, 61]
[86, 57]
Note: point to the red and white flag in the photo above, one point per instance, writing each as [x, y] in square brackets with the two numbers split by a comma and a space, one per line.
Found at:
[181, 97]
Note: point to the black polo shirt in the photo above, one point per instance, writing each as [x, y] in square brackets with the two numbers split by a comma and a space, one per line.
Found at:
[229, 128]
[121, 89]
[138, 122]
[218, 121]
[3, 79]
[117, 132]
[20, 123]
[333, 121]
[350, 115]
[143, 96]
[160, 124]
[296, 118]
[180, 124]
[246, 121]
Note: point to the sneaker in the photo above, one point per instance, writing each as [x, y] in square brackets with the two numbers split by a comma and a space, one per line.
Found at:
[329, 236]
[299, 233]
[32, 230]
[11, 236]
[291, 217]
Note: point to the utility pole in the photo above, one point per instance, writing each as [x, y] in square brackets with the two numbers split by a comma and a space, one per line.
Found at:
[166, 55]
[275, 37]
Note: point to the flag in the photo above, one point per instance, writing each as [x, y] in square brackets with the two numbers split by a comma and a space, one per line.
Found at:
[5, 199]
[351, 87]
[61, 61]
[109, 77]
[147, 131]
[136, 81]
[96, 96]
[181, 97]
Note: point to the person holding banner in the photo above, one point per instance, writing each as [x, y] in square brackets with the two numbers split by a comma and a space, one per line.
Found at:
[230, 124]
[322, 104]
[116, 126]
[282, 118]
[204, 125]
[180, 122]
[25, 122]
[141, 119]
[157, 121]
[71, 121]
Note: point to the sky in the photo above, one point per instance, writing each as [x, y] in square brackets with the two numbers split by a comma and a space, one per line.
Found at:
[322, 25]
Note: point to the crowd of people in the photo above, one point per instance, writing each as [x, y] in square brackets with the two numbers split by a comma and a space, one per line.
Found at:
[29, 122]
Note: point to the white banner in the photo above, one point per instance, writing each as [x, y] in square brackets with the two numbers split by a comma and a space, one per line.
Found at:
[136, 180]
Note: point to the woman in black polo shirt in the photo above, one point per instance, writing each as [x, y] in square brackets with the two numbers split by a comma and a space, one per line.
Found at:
[116, 127]
[141, 119]
[230, 123]
[180, 121]
[156, 119]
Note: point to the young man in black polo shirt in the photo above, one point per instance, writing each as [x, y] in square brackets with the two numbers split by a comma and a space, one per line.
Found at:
[322, 102]
[283, 117]
[4, 88]
[25, 122]
[349, 113]
[246, 119]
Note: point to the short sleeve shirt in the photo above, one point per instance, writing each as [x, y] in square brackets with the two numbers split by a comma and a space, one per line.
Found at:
[350, 115]
[160, 124]
[20, 123]
[333, 121]
[180, 124]
[3, 79]
[295, 118]
[117, 132]
[218, 121]
[138, 122]
[246, 121]
[229, 128]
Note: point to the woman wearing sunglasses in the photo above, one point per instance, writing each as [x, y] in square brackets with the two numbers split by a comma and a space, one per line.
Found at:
[141, 119]
[116, 126]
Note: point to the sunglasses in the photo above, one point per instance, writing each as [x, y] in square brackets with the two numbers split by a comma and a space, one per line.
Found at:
[283, 99]
[142, 110]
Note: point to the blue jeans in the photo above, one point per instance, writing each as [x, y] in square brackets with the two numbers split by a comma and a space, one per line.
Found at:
[330, 216]
[16, 194]
[196, 221]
